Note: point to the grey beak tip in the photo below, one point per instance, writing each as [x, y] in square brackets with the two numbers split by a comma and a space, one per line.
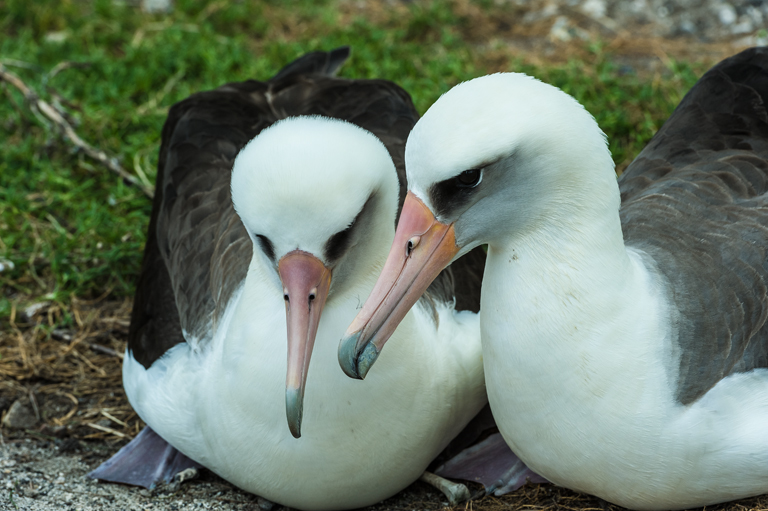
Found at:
[348, 356]
[293, 410]
[366, 359]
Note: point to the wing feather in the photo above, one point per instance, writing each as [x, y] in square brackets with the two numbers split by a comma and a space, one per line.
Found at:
[696, 200]
[198, 251]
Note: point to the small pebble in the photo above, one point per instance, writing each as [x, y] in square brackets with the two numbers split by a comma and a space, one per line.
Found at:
[20, 416]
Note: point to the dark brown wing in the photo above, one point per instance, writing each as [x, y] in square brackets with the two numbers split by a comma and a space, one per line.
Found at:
[197, 250]
[696, 199]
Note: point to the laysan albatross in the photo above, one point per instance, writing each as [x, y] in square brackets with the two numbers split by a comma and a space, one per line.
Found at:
[623, 324]
[267, 232]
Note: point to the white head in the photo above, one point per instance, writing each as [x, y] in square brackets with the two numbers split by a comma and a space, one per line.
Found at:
[319, 185]
[318, 197]
[529, 144]
[494, 160]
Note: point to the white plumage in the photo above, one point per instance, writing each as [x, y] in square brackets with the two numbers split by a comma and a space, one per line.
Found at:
[223, 404]
[624, 349]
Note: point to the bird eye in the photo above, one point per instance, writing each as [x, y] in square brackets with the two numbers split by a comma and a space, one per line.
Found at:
[469, 177]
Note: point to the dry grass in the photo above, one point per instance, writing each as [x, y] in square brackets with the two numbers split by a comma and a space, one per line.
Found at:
[71, 377]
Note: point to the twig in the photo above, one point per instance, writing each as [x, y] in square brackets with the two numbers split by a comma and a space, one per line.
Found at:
[33, 402]
[90, 364]
[137, 167]
[113, 418]
[51, 113]
[106, 430]
[105, 350]
[61, 66]
[22, 64]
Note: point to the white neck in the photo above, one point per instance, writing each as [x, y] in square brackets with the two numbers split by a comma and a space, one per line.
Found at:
[567, 311]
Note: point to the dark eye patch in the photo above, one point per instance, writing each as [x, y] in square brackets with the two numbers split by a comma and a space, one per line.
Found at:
[266, 246]
[454, 193]
[340, 242]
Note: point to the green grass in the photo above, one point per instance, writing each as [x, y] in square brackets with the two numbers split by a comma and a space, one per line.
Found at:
[73, 228]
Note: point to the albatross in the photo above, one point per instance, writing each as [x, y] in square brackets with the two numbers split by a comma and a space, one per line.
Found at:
[623, 323]
[274, 211]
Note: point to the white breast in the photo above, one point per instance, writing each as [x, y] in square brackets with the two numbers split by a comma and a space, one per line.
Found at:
[225, 408]
[583, 389]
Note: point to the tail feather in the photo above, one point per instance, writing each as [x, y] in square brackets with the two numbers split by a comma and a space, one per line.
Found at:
[316, 62]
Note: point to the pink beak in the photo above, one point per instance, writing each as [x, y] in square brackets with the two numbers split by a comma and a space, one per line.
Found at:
[306, 281]
[423, 246]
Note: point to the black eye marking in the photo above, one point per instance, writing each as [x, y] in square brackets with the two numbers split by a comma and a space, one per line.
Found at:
[266, 246]
[341, 241]
[452, 194]
[469, 177]
[338, 243]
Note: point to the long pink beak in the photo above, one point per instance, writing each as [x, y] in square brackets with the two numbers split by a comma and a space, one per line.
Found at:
[422, 248]
[306, 281]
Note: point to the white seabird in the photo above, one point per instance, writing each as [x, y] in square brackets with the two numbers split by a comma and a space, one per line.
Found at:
[623, 324]
[290, 254]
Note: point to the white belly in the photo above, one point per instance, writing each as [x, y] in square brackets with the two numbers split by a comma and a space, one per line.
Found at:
[587, 400]
[362, 441]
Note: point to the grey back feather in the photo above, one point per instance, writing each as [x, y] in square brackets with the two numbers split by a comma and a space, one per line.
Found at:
[696, 200]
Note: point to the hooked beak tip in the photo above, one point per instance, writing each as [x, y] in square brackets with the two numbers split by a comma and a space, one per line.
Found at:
[355, 362]
[366, 359]
[293, 410]
[348, 355]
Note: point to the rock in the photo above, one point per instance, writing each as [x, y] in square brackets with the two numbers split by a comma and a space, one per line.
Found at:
[594, 8]
[69, 445]
[532, 16]
[157, 6]
[33, 309]
[559, 30]
[687, 27]
[62, 334]
[29, 492]
[744, 26]
[6, 265]
[726, 14]
[20, 416]
[56, 38]
[563, 30]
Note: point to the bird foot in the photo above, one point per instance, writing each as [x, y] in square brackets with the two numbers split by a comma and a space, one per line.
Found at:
[146, 461]
[492, 463]
[455, 492]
